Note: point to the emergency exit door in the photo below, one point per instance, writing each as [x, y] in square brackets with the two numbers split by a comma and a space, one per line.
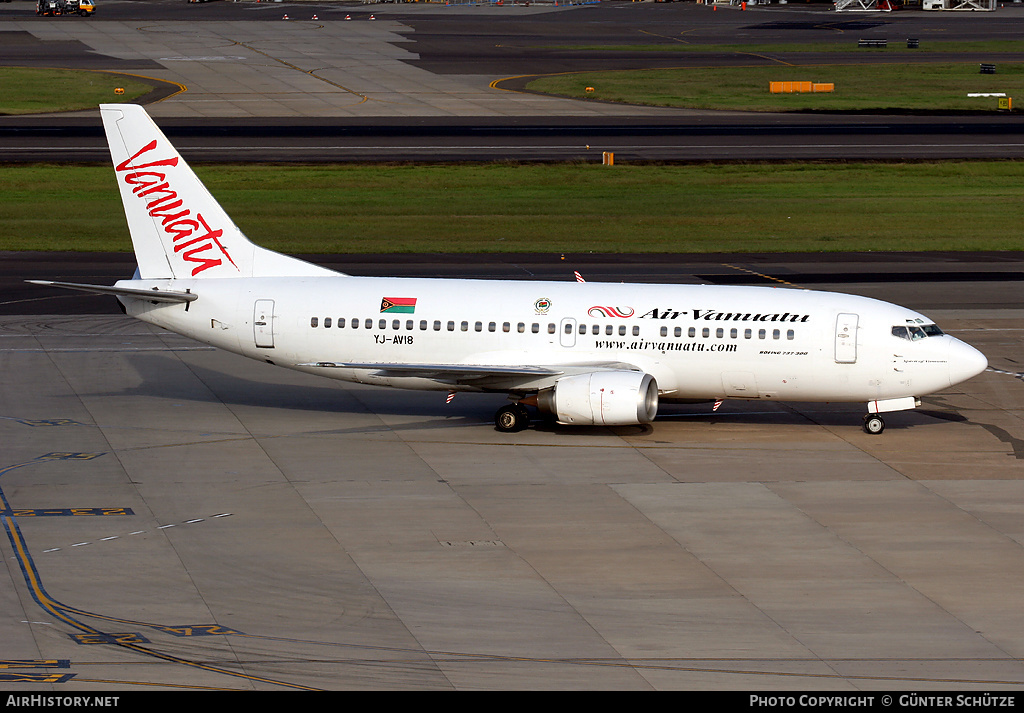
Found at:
[263, 324]
[567, 332]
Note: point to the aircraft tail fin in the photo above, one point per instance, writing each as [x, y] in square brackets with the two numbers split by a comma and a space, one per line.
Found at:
[178, 228]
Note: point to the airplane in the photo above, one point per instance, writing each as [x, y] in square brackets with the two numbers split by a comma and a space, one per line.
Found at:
[586, 353]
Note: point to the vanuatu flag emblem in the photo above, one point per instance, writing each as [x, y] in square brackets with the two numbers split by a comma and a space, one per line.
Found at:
[398, 305]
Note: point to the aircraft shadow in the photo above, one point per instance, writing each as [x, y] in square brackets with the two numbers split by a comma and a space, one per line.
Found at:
[208, 385]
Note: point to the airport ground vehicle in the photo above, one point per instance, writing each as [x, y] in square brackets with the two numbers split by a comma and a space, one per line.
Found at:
[56, 8]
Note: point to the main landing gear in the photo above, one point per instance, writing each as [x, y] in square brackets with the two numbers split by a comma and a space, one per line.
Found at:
[511, 418]
[873, 424]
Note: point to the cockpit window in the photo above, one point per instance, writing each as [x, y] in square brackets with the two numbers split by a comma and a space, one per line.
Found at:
[914, 332]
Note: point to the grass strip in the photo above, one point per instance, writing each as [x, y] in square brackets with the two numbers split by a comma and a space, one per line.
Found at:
[862, 87]
[25, 90]
[584, 207]
[848, 45]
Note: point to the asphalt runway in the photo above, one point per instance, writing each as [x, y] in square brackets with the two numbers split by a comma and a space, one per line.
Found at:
[652, 139]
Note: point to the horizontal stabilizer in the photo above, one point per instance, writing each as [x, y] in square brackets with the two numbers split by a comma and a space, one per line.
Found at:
[152, 295]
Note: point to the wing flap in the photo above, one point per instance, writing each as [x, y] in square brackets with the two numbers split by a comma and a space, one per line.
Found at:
[439, 371]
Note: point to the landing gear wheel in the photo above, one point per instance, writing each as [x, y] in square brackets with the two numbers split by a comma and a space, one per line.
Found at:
[511, 418]
[873, 424]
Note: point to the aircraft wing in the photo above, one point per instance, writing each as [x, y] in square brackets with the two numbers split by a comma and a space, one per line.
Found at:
[463, 373]
[441, 371]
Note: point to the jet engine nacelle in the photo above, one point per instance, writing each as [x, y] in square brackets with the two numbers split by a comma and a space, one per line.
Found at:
[604, 398]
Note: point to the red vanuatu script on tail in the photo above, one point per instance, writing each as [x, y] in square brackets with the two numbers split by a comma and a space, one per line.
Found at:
[191, 235]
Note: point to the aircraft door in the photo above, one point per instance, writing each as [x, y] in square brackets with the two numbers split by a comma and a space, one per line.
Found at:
[263, 324]
[846, 338]
[567, 332]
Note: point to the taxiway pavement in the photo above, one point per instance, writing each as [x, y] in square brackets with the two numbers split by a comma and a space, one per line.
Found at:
[435, 82]
[181, 517]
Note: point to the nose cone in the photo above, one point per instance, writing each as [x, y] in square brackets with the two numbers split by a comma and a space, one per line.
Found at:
[965, 362]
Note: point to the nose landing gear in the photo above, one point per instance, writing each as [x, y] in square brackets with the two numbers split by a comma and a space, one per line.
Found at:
[873, 424]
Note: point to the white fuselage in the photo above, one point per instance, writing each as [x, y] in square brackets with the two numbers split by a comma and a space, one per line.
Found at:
[697, 341]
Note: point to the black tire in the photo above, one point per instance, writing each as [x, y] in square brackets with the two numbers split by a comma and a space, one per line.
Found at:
[873, 424]
[511, 418]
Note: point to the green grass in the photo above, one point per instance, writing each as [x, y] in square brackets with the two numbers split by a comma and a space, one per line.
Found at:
[552, 208]
[846, 45]
[875, 87]
[33, 91]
